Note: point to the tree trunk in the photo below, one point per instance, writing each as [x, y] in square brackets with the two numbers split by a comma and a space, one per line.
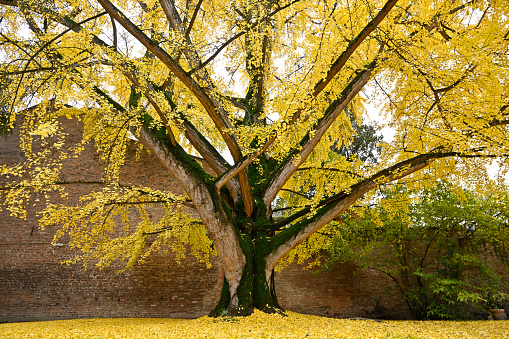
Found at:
[256, 288]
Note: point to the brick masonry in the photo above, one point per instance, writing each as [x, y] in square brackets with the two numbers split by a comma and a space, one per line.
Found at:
[34, 285]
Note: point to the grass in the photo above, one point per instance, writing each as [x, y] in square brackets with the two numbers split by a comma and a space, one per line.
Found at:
[258, 325]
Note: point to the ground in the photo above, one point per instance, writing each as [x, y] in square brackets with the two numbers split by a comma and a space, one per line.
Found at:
[258, 325]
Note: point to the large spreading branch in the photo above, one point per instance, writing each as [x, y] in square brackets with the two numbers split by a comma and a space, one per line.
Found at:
[209, 153]
[215, 218]
[332, 207]
[286, 171]
[199, 142]
[194, 60]
[258, 82]
[211, 156]
[292, 163]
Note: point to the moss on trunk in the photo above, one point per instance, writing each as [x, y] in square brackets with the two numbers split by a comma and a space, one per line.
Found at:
[254, 290]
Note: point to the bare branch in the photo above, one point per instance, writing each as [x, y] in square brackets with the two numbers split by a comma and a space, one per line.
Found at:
[238, 35]
[115, 46]
[193, 18]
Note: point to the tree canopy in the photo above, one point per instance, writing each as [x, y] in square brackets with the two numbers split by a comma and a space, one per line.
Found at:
[272, 84]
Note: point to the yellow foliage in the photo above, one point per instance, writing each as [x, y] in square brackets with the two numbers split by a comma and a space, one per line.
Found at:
[258, 325]
[264, 78]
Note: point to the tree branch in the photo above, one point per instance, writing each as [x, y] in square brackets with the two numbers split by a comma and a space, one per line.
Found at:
[290, 237]
[13, 3]
[199, 142]
[146, 91]
[259, 79]
[238, 35]
[218, 115]
[331, 207]
[193, 18]
[56, 68]
[335, 68]
[63, 20]
[237, 102]
[175, 68]
[217, 221]
[328, 169]
[292, 163]
[212, 156]
[58, 36]
[115, 47]
[122, 203]
[140, 190]
[338, 64]
[295, 192]
[161, 230]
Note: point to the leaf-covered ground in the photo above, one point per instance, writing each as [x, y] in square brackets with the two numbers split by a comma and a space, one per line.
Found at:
[259, 325]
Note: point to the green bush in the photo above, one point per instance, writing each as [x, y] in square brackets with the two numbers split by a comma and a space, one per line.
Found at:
[433, 244]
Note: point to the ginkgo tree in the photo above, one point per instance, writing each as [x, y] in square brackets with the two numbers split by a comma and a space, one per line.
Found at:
[273, 84]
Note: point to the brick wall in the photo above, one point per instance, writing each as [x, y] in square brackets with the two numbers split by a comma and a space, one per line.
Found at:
[34, 285]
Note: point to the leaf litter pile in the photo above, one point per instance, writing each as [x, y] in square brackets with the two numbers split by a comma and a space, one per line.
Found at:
[258, 325]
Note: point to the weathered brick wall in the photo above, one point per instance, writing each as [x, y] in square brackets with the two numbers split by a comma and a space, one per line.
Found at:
[343, 292]
[34, 285]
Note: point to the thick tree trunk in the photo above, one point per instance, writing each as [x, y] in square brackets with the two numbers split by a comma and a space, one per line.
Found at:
[256, 288]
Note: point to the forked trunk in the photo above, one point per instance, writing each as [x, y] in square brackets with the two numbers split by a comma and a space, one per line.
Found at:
[256, 290]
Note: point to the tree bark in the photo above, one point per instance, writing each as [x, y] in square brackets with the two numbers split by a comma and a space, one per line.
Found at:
[256, 288]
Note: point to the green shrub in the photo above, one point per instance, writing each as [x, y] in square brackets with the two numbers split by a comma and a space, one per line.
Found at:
[433, 244]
